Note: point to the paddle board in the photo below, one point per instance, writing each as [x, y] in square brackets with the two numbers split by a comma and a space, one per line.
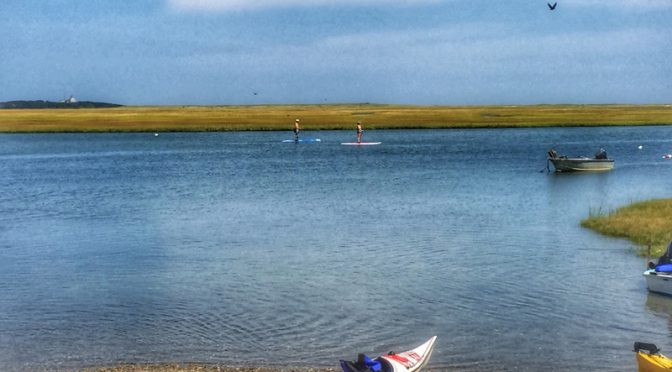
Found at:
[360, 143]
[302, 140]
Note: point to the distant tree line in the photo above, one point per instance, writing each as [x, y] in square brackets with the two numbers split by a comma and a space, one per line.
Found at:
[49, 104]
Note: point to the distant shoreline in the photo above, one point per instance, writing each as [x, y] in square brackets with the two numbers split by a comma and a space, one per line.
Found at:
[70, 103]
[324, 117]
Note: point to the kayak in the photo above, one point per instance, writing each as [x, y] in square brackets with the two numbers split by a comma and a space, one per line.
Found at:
[650, 360]
[408, 361]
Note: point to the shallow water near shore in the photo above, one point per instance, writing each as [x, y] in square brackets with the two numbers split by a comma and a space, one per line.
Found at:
[236, 248]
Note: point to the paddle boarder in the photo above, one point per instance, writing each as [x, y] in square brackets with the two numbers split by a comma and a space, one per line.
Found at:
[297, 128]
[359, 132]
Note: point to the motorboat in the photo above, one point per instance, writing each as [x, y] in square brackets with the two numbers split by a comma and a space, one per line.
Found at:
[659, 274]
[562, 163]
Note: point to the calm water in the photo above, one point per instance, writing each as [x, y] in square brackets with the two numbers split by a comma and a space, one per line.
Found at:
[236, 248]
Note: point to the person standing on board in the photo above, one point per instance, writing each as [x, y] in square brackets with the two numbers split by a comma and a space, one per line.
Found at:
[296, 130]
[359, 132]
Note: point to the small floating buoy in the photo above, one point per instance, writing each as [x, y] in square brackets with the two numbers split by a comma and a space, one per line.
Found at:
[640, 147]
[156, 134]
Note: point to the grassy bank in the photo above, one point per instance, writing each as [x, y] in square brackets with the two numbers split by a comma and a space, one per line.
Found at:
[321, 117]
[643, 223]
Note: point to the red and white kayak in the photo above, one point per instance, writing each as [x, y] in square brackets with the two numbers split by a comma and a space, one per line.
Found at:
[408, 361]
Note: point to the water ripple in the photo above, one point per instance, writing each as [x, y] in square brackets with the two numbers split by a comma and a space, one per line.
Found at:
[235, 248]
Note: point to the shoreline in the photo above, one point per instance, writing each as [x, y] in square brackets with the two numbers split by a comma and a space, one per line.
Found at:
[198, 367]
[325, 117]
[644, 223]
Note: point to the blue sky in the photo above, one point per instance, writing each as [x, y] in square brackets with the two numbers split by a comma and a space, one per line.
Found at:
[453, 52]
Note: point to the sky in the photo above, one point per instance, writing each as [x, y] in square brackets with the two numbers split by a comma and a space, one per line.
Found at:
[425, 52]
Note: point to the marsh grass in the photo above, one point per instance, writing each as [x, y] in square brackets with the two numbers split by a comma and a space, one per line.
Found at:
[644, 223]
[325, 117]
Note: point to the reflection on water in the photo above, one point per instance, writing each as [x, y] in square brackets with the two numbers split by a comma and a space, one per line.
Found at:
[659, 304]
[661, 307]
[237, 248]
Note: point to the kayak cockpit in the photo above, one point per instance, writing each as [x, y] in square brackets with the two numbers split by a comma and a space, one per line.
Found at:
[366, 364]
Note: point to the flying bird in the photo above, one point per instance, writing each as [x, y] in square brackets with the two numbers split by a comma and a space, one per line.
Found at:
[552, 7]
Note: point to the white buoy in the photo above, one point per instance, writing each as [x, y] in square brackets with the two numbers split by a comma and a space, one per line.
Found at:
[156, 134]
[640, 147]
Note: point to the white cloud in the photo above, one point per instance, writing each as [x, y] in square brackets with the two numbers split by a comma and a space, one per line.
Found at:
[463, 49]
[238, 5]
[629, 4]
[232, 5]
[479, 63]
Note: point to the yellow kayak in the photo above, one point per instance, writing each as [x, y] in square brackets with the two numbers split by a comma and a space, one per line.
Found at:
[650, 360]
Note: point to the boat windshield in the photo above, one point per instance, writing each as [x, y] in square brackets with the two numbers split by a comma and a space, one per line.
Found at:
[666, 258]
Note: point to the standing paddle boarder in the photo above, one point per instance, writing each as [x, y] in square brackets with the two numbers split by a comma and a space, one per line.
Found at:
[296, 130]
[359, 132]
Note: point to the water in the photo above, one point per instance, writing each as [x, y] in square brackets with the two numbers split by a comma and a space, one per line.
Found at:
[235, 248]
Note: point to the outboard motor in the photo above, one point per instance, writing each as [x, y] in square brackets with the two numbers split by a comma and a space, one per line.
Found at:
[601, 154]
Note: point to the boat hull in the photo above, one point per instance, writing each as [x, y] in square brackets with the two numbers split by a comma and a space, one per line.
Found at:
[412, 360]
[582, 164]
[658, 282]
[649, 358]
[653, 363]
